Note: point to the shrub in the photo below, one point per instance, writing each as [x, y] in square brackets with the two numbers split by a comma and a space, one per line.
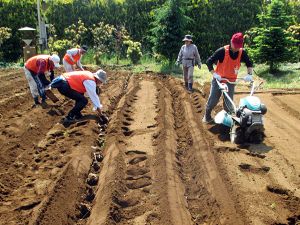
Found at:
[134, 51]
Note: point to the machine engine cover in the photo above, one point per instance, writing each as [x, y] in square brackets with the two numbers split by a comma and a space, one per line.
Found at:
[250, 102]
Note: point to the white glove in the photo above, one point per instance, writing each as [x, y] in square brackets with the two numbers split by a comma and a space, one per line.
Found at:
[216, 76]
[247, 78]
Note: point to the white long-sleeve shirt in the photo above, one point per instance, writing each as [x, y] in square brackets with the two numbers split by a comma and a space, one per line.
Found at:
[90, 87]
[72, 52]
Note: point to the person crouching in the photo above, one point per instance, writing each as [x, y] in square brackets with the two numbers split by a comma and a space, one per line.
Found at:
[74, 84]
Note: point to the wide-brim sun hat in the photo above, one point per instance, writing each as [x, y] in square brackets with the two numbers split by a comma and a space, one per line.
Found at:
[55, 59]
[187, 37]
[237, 40]
[101, 75]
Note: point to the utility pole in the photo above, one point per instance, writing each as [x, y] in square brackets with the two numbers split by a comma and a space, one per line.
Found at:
[42, 24]
[40, 27]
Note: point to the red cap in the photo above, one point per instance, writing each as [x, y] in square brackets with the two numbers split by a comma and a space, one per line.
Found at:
[237, 40]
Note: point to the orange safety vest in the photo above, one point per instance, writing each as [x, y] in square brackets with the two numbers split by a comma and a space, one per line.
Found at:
[229, 68]
[76, 78]
[76, 57]
[31, 63]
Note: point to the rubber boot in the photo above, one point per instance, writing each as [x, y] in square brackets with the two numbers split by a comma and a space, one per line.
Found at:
[44, 99]
[207, 116]
[190, 86]
[186, 85]
[36, 101]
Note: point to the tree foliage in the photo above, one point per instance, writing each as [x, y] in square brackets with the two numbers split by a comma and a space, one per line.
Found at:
[169, 29]
[212, 22]
[77, 33]
[15, 15]
[134, 51]
[58, 47]
[4, 34]
[273, 44]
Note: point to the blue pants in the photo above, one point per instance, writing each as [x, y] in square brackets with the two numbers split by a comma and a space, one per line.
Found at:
[40, 86]
[80, 100]
[215, 94]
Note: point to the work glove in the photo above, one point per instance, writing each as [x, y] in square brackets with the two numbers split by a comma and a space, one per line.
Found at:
[178, 63]
[199, 65]
[104, 119]
[216, 76]
[247, 78]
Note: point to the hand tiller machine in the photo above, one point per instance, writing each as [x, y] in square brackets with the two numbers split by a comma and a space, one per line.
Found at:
[247, 121]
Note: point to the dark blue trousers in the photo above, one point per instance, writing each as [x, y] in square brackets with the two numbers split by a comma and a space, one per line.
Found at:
[40, 85]
[80, 100]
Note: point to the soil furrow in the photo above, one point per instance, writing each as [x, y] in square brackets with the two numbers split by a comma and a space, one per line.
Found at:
[154, 163]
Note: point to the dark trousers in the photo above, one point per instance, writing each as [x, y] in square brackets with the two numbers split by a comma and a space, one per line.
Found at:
[44, 79]
[80, 100]
[215, 94]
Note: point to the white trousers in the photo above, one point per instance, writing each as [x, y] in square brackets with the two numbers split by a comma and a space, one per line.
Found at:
[32, 84]
[68, 67]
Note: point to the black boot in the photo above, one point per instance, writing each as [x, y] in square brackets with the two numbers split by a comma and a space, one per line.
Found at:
[78, 116]
[207, 116]
[70, 119]
[186, 85]
[44, 99]
[36, 101]
[190, 86]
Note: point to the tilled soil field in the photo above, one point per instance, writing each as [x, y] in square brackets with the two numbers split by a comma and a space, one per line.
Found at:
[154, 163]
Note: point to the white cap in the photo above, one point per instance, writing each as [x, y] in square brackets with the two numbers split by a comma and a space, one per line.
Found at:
[55, 59]
[101, 75]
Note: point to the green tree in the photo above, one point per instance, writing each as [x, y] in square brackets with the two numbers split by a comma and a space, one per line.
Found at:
[16, 14]
[296, 10]
[58, 47]
[104, 39]
[76, 33]
[169, 29]
[295, 32]
[214, 22]
[4, 34]
[273, 44]
[134, 51]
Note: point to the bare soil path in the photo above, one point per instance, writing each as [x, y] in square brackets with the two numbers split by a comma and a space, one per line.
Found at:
[155, 162]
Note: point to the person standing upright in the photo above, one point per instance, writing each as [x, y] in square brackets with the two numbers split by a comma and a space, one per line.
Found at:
[73, 56]
[229, 60]
[35, 68]
[188, 53]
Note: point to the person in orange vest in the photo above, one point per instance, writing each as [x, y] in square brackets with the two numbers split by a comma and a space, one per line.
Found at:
[74, 84]
[35, 69]
[73, 56]
[229, 60]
